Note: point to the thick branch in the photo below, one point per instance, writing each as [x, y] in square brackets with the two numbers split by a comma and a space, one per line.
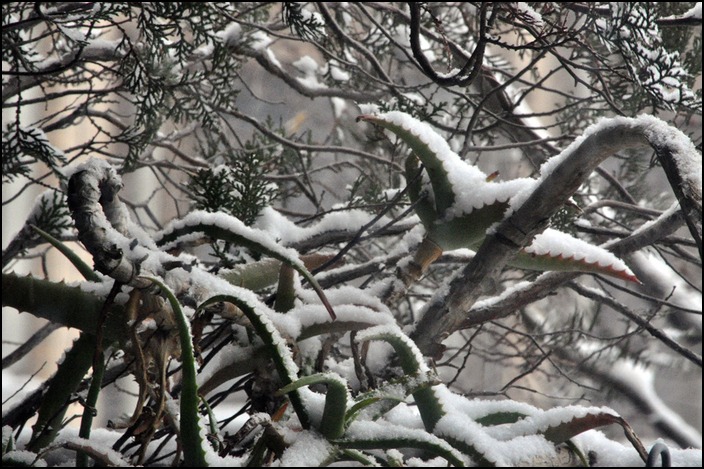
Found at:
[682, 175]
[560, 178]
[102, 221]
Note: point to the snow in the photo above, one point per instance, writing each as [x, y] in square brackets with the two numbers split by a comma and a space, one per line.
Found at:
[233, 225]
[657, 132]
[369, 430]
[308, 315]
[689, 161]
[641, 378]
[260, 40]
[272, 57]
[472, 191]
[528, 14]
[402, 35]
[113, 457]
[507, 293]
[97, 47]
[610, 453]
[306, 65]
[694, 12]
[231, 35]
[657, 70]
[680, 293]
[337, 72]
[23, 459]
[229, 354]
[338, 105]
[288, 233]
[392, 330]
[308, 450]
[309, 67]
[552, 241]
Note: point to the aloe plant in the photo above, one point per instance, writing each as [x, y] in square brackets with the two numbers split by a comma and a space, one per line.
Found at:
[460, 203]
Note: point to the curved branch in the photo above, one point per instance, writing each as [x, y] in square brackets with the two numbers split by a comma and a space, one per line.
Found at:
[560, 178]
[686, 184]
[101, 219]
[469, 71]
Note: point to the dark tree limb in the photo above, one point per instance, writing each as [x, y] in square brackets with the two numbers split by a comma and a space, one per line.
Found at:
[102, 219]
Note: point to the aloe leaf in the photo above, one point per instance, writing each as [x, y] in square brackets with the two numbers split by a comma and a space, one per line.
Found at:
[68, 377]
[285, 290]
[280, 354]
[555, 250]
[362, 404]
[499, 418]
[467, 231]
[8, 440]
[333, 420]
[254, 275]
[97, 378]
[227, 228]
[426, 151]
[423, 205]
[566, 429]
[412, 362]
[480, 207]
[360, 457]
[85, 270]
[378, 402]
[551, 262]
[192, 441]
[375, 435]
[65, 305]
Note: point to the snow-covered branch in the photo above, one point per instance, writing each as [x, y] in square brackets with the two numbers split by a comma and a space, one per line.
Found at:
[560, 178]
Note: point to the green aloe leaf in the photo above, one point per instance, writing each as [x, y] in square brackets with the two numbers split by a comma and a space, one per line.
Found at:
[63, 304]
[555, 250]
[280, 354]
[499, 418]
[424, 207]
[332, 423]
[568, 428]
[412, 362]
[228, 228]
[428, 155]
[374, 404]
[68, 377]
[85, 270]
[192, 442]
